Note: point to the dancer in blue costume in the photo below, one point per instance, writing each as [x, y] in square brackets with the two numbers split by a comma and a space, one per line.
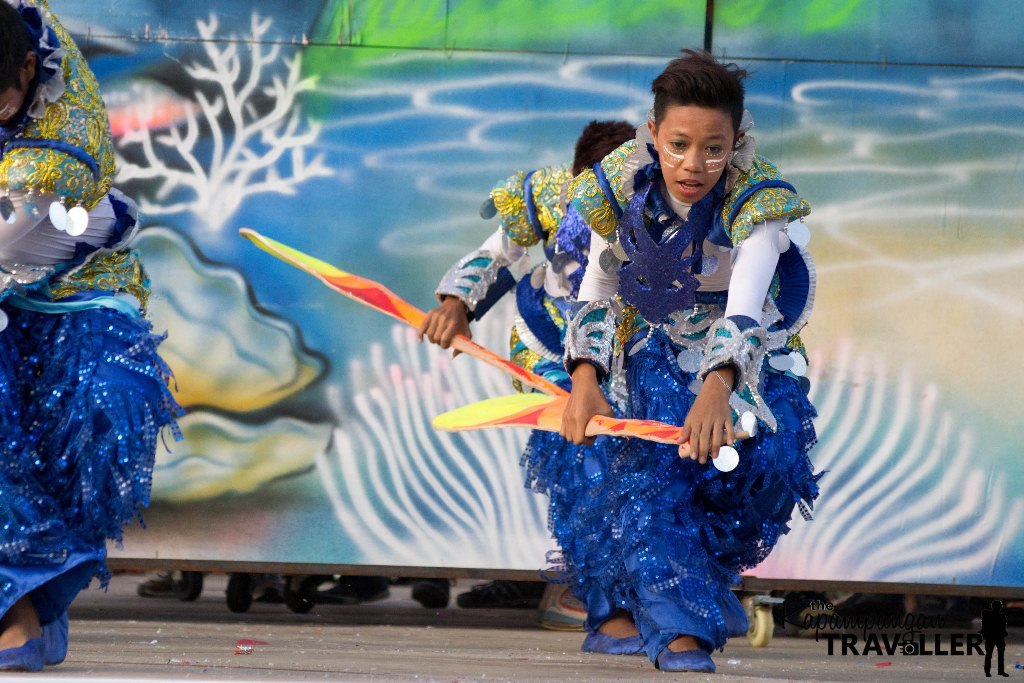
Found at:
[695, 290]
[83, 393]
[530, 206]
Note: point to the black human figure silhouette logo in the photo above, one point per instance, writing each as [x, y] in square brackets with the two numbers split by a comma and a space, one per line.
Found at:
[993, 630]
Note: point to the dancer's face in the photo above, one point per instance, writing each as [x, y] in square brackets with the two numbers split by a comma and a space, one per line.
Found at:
[13, 99]
[693, 144]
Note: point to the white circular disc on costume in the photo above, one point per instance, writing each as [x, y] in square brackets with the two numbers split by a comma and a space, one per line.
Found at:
[689, 361]
[709, 265]
[748, 423]
[618, 251]
[695, 386]
[798, 234]
[3, 321]
[609, 262]
[7, 211]
[799, 365]
[727, 460]
[784, 243]
[58, 215]
[77, 221]
[488, 210]
[781, 362]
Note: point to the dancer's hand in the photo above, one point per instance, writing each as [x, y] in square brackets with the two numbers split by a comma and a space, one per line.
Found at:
[443, 323]
[585, 401]
[708, 425]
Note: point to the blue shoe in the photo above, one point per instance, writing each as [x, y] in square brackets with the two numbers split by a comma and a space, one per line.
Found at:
[689, 660]
[610, 645]
[28, 657]
[56, 636]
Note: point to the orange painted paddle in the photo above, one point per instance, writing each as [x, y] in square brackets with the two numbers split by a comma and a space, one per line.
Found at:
[376, 295]
[537, 411]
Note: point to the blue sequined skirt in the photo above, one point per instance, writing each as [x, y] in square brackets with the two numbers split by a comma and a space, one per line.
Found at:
[665, 538]
[83, 399]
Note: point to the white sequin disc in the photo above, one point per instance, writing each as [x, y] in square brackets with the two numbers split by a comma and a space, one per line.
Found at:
[727, 460]
[783, 243]
[3, 321]
[7, 211]
[798, 234]
[781, 362]
[748, 423]
[77, 221]
[58, 215]
[799, 365]
[689, 361]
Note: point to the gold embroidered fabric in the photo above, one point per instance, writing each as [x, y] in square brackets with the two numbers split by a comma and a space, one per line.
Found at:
[546, 191]
[765, 204]
[589, 198]
[115, 272]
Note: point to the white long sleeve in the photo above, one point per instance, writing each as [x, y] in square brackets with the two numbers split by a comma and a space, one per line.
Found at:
[597, 284]
[753, 268]
[499, 245]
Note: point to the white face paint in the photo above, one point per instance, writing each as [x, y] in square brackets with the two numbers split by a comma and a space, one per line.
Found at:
[670, 158]
[714, 157]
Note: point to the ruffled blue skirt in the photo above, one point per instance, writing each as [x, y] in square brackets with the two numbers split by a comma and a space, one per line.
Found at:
[83, 399]
[665, 538]
[564, 472]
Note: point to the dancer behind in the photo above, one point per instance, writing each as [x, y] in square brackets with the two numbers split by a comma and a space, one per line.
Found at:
[83, 393]
[694, 286]
[531, 212]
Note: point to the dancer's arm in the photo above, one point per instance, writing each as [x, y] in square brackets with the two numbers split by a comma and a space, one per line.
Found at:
[709, 424]
[587, 399]
[470, 288]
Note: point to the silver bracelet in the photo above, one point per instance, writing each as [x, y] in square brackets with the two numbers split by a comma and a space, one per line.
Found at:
[722, 380]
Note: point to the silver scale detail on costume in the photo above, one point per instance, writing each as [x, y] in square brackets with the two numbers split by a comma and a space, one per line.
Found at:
[592, 340]
[470, 283]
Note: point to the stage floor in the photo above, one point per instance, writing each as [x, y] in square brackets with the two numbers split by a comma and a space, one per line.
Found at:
[119, 636]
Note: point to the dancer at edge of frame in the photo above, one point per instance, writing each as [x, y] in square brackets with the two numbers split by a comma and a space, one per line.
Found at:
[83, 394]
[531, 210]
[695, 290]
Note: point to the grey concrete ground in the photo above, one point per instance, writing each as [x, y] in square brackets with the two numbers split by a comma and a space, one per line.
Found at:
[118, 636]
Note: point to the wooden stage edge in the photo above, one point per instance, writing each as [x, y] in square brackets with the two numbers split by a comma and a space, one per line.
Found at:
[749, 583]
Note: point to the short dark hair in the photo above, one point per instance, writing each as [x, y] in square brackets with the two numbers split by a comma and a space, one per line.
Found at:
[15, 43]
[697, 78]
[598, 140]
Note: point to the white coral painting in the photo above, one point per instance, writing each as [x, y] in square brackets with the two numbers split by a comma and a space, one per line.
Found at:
[249, 147]
[407, 494]
[904, 497]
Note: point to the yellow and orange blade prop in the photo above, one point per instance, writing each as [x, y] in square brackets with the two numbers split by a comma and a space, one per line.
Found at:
[538, 411]
[376, 295]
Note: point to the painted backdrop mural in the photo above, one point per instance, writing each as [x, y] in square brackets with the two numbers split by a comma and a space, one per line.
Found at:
[368, 133]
